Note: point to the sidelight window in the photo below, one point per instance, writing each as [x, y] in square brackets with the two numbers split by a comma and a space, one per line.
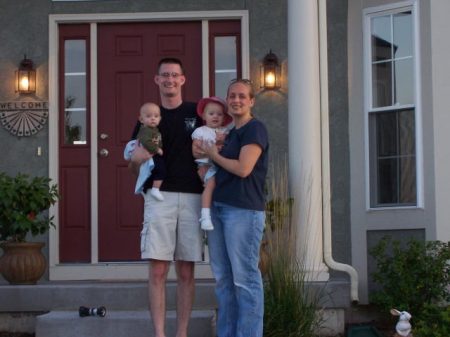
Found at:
[75, 103]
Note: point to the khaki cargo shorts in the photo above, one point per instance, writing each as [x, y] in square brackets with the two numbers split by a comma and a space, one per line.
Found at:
[171, 228]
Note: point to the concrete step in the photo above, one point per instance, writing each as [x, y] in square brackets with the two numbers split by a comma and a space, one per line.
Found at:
[112, 295]
[119, 324]
[69, 295]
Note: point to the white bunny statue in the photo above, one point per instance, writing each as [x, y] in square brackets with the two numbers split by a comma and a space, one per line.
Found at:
[403, 326]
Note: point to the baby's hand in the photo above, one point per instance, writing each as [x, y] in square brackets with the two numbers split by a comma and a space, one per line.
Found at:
[209, 148]
[220, 138]
[160, 151]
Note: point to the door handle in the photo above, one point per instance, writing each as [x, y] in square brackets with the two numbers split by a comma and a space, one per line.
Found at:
[104, 153]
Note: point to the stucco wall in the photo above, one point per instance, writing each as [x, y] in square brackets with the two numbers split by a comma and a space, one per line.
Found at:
[339, 147]
[25, 31]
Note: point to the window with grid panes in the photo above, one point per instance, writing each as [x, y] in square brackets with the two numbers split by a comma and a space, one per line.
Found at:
[391, 108]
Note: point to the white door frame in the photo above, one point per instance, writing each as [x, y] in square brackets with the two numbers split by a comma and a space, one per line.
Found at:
[121, 270]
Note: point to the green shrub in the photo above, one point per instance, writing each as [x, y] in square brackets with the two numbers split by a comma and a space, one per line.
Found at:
[434, 322]
[23, 199]
[412, 277]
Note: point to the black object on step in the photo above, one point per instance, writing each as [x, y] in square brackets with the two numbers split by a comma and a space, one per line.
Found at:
[85, 311]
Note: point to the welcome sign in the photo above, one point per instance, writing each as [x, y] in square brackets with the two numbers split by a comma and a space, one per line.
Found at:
[23, 119]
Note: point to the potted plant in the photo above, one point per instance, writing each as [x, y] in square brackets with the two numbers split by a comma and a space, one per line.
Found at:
[23, 200]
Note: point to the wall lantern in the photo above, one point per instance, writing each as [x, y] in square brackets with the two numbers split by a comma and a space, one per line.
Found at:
[270, 72]
[26, 77]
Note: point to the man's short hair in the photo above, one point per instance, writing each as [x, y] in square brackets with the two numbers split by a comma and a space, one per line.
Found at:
[170, 60]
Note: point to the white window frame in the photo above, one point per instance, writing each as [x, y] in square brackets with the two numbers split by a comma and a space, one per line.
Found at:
[368, 13]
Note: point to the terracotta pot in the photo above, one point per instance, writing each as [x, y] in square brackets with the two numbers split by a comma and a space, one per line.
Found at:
[22, 262]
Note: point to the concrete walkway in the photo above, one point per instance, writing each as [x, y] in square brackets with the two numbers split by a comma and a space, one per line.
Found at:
[118, 324]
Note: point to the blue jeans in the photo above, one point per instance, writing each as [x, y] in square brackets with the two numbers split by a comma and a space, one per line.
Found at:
[234, 252]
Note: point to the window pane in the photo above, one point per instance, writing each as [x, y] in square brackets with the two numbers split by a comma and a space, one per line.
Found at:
[393, 164]
[75, 127]
[407, 193]
[382, 84]
[75, 91]
[381, 38]
[386, 128]
[402, 34]
[75, 111]
[225, 56]
[222, 81]
[403, 82]
[225, 52]
[407, 131]
[75, 56]
[387, 181]
[392, 61]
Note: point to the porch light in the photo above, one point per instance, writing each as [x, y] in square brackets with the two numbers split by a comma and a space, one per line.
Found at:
[26, 77]
[270, 72]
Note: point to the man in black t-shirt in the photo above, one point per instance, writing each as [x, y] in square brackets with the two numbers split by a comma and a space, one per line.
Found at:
[171, 229]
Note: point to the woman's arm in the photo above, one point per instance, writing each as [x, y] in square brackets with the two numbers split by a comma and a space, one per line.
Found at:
[242, 166]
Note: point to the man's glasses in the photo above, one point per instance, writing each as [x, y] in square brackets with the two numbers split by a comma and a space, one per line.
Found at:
[241, 80]
[168, 75]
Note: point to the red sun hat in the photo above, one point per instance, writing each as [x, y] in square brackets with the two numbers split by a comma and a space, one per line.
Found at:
[214, 99]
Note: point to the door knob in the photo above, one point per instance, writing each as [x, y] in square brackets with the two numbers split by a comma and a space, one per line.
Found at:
[104, 153]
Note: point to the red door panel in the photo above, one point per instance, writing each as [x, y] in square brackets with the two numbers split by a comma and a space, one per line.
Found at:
[75, 243]
[128, 55]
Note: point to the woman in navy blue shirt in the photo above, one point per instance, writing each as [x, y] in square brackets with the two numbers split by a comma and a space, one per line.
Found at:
[238, 217]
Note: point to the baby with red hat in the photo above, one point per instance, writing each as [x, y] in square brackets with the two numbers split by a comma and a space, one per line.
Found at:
[213, 111]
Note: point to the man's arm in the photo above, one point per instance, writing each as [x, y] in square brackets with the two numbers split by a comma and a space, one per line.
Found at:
[139, 156]
[197, 150]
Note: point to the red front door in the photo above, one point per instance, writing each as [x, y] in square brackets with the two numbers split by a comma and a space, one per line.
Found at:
[128, 55]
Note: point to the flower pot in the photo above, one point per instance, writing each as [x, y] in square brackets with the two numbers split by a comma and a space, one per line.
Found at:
[22, 262]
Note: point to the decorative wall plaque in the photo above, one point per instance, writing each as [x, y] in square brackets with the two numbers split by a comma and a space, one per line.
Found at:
[23, 119]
